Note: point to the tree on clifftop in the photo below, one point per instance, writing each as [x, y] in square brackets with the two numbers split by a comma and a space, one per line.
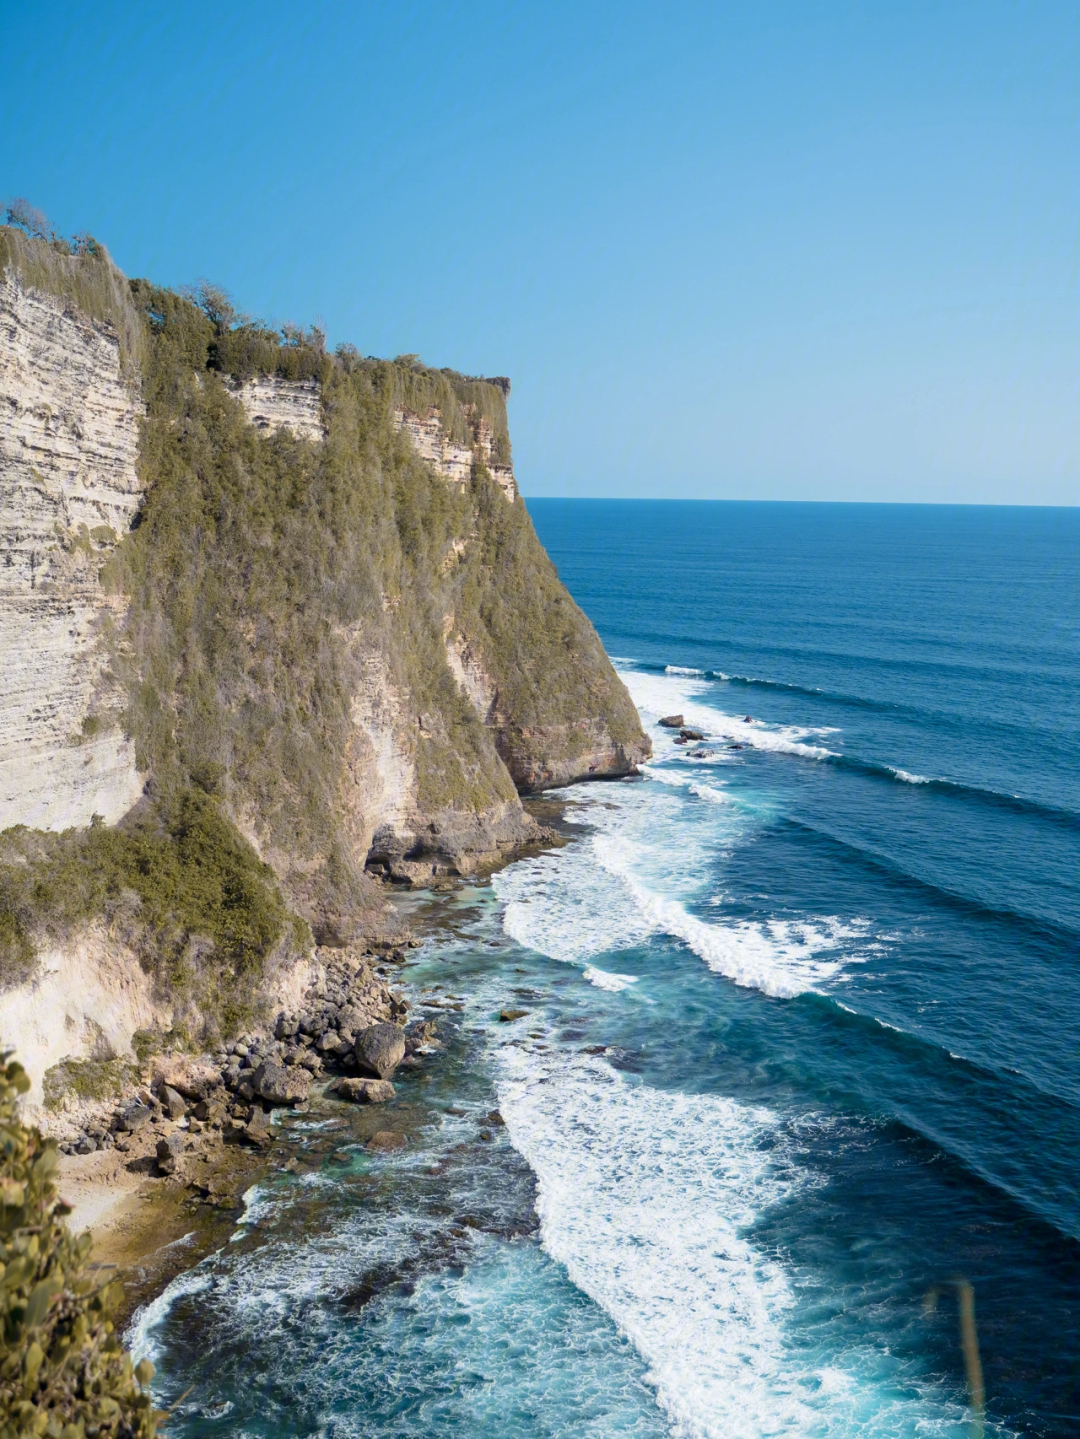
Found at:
[63, 1372]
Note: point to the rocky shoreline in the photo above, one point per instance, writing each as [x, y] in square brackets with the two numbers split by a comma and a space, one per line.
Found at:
[182, 1147]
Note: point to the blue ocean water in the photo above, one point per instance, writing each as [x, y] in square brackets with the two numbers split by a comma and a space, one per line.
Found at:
[801, 1043]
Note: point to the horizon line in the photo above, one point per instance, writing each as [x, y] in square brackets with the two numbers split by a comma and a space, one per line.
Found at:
[725, 500]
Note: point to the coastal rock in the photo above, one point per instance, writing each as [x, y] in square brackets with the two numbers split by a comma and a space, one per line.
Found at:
[691, 734]
[365, 1091]
[134, 1116]
[173, 1103]
[352, 1020]
[69, 489]
[193, 1079]
[279, 1085]
[508, 1015]
[421, 1035]
[380, 1049]
[170, 1152]
[274, 404]
[453, 461]
[672, 722]
[257, 1130]
[385, 1142]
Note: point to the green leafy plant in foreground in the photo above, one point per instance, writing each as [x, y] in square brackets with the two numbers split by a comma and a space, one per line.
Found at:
[63, 1371]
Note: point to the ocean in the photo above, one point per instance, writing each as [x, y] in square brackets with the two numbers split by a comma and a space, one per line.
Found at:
[797, 1080]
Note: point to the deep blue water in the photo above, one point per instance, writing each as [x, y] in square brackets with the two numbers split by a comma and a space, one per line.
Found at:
[802, 1035]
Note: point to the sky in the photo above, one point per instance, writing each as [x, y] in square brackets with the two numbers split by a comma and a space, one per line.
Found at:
[753, 250]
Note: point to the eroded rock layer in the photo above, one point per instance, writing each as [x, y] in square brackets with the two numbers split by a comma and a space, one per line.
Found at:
[69, 489]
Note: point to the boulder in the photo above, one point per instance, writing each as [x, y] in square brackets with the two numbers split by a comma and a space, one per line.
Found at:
[380, 1049]
[352, 1020]
[365, 1091]
[172, 1102]
[257, 1130]
[507, 1015]
[170, 1152]
[279, 1085]
[134, 1116]
[192, 1078]
[691, 734]
[672, 722]
[210, 1111]
[420, 1032]
[385, 1142]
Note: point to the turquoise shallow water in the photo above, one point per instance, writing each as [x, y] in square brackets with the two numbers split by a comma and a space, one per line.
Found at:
[801, 1041]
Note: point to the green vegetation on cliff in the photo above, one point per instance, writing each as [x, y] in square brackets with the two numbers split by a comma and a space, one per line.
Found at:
[265, 574]
[275, 585]
[82, 273]
[174, 880]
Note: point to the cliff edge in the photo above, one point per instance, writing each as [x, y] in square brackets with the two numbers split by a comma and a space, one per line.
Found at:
[275, 623]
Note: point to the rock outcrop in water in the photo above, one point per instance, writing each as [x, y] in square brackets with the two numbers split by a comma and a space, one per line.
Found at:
[274, 622]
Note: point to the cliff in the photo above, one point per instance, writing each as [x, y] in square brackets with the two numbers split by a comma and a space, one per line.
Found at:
[68, 490]
[274, 621]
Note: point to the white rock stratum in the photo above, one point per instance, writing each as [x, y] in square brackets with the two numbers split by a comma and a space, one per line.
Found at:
[274, 404]
[68, 491]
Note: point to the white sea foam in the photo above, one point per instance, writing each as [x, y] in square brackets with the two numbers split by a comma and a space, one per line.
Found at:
[707, 791]
[604, 979]
[643, 1195]
[778, 957]
[681, 670]
[140, 1337]
[910, 778]
[256, 1204]
[639, 874]
[565, 905]
[671, 693]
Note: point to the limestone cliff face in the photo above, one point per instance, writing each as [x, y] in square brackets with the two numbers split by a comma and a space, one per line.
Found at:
[304, 584]
[274, 404]
[69, 489]
[454, 461]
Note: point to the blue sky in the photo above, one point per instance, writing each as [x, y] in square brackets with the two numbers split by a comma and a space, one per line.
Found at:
[753, 250]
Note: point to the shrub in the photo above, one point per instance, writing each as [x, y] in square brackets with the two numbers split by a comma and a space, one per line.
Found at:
[87, 1079]
[193, 896]
[63, 1372]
